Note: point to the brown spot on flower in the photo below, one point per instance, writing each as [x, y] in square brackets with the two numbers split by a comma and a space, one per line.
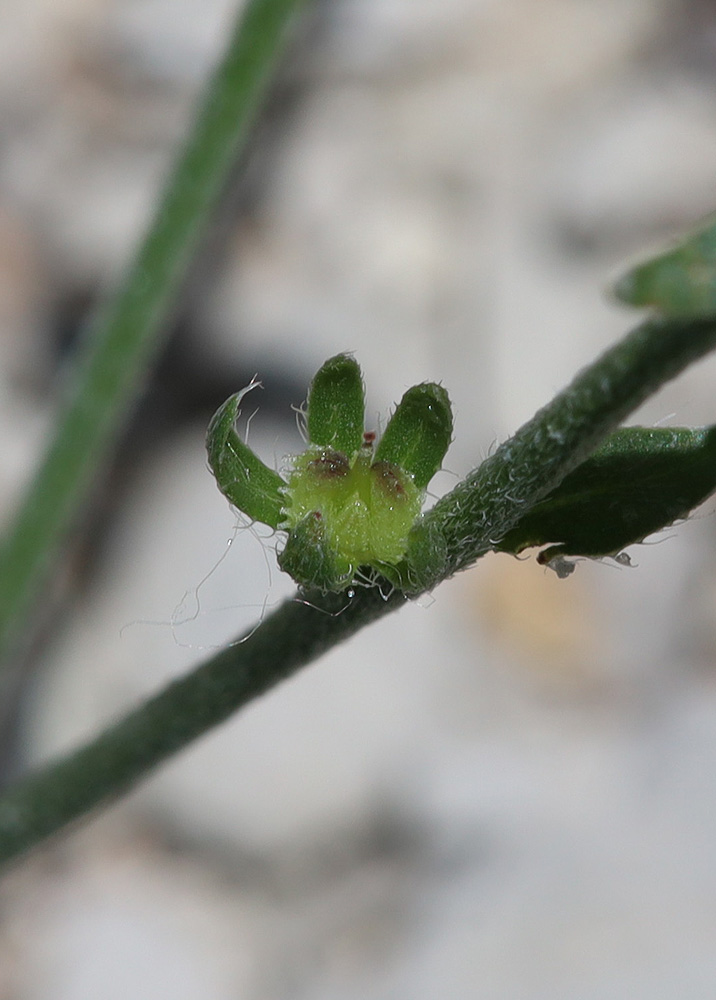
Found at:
[330, 464]
[389, 478]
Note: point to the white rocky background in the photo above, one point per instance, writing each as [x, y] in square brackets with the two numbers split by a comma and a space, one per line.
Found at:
[507, 792]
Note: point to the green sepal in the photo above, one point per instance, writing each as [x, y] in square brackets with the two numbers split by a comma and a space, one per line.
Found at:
[336, 405]
[311, 560]
[639, 481]
[252, 487]
[424, 562]
[680, 283]
[419, 433]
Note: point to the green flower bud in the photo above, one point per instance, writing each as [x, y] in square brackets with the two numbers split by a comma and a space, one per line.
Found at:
[336, 407]
[419, 433]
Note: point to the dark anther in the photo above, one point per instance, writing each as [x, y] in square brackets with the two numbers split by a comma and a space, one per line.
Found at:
[388, 477]
[330, 465]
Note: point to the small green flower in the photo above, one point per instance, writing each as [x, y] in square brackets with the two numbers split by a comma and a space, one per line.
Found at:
[347, 505]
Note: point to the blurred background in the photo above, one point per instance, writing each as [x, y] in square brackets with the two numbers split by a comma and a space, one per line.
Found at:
[506, 791]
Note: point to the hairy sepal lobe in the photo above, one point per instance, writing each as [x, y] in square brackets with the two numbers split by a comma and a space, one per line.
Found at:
[250, 485]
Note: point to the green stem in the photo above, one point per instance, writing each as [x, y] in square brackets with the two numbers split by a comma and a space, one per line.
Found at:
[129, 333]
[296, 633]
[527, 466]
[490, 501]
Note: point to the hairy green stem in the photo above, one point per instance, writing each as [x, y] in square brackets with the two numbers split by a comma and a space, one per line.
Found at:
[490, 501]
[484, 506]
[296, 633]
[129, 333]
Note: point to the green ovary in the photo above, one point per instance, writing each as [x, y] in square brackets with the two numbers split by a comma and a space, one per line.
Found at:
[367, 508]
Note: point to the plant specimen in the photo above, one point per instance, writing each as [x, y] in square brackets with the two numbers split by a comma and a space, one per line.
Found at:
[355, 536]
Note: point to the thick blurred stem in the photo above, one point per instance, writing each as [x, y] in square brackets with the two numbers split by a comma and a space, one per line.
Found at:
[128, 333]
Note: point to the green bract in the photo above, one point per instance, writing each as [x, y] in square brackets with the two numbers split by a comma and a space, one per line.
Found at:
[347, 507]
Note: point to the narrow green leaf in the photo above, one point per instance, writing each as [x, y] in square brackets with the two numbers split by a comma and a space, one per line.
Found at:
[242, 477]
[336, 406]
[419, 433]
[641, 480]
[680, 282]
